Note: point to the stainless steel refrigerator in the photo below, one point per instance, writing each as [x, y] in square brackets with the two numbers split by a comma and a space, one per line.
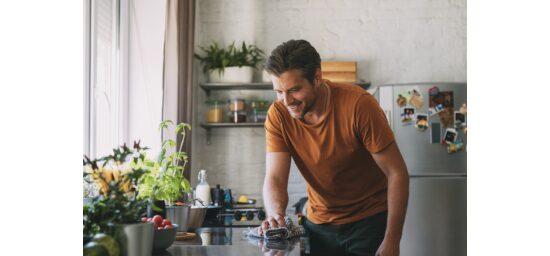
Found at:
[436, 216]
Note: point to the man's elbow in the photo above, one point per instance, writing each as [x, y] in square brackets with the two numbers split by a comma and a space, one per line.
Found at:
[400, 174]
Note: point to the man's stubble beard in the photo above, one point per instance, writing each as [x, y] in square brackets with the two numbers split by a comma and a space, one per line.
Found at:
[306, 109]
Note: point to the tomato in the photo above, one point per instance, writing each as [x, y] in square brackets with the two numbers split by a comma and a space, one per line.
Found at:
[144, 219]
[179, 204]
[158, 220]
[166, 222]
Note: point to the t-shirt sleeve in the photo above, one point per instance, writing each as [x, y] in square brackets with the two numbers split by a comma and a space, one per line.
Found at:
[274, 140]
[371, 124]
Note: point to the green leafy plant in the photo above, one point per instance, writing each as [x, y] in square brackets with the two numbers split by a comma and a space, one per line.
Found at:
[216, 58]
[166, 181]
[116, 176]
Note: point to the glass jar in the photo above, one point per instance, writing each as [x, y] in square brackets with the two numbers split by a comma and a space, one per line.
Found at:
[258, 110]
[258, 116]
[215, 112]
[236, 104]
[259, 104]
[237, 116]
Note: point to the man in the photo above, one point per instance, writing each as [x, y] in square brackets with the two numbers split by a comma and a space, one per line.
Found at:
[339, 138]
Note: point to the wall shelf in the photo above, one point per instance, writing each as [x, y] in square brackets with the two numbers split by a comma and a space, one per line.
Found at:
[208, 87]
[210, 126]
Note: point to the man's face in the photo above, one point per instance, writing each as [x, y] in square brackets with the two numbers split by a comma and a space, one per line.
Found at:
[295, 91]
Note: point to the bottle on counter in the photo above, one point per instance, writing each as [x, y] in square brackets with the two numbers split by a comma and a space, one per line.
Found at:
[202, 191]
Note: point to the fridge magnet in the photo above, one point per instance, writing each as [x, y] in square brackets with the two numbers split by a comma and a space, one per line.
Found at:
[463, 109]
[445, 99]
[455, 146]
[407, 116]
[450, 136]
[459, 120]
[416, 99]
[446, 117]
[435, 133]
[421, 122]
[401, 101]
[434, 91]
[436, 109]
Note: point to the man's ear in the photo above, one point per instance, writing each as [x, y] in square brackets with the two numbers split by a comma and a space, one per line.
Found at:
[318, 76]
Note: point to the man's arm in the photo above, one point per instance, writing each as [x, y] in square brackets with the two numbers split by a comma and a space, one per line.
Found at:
[275, 188]
[392, 164]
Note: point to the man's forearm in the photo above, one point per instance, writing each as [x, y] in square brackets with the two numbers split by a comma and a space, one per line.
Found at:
[275, 197]
[398, 195]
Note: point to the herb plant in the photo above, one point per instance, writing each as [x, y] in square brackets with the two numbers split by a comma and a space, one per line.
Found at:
[166, 180]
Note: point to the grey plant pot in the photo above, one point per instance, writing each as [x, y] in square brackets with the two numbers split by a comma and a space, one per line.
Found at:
[134, 239]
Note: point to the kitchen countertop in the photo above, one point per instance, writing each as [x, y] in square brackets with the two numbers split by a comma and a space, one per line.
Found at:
[231, 241]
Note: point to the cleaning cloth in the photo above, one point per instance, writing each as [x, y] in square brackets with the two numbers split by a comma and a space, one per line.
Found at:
[280, 233]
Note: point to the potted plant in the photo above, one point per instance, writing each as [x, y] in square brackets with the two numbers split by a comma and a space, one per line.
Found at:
[165, 181]
[231, 64]
[116, 211]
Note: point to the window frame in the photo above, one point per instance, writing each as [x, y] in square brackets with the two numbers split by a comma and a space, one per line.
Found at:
[120, 69]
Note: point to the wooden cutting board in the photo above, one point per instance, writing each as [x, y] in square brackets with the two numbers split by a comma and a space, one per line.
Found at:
[182, 236]
[339, 71]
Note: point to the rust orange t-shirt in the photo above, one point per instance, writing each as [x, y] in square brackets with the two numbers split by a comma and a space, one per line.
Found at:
[344, 183]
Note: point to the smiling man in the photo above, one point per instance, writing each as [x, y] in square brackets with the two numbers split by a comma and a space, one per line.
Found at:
[339, 138]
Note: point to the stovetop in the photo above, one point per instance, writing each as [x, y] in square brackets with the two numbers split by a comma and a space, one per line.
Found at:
[236, 217]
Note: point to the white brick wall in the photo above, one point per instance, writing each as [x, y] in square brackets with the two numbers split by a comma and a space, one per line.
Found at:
[392, 40]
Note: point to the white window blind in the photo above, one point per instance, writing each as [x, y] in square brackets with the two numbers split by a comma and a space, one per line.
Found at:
[107, 92]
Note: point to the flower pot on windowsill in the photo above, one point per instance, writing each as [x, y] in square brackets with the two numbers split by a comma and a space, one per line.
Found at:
[231, 75]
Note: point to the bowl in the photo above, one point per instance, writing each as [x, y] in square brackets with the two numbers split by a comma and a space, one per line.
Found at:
[164, 238]
[196, 217]
[179, 215]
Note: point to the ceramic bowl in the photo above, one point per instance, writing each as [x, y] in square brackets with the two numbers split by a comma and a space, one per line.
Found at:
[164, 238]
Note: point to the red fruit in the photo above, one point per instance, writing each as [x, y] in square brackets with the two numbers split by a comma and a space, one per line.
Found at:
[166, 222]
[149, 219]
[144, 219]
[158, 220]
[180, 204]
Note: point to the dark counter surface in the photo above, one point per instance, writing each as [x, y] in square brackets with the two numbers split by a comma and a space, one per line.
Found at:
[231, 241]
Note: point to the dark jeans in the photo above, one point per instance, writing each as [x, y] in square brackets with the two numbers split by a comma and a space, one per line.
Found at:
[362, 237]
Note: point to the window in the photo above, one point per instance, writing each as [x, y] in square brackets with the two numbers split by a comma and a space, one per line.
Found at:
[106, 90]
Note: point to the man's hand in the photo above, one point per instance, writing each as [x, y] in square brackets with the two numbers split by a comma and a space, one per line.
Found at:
[275, 221]
[388, 248]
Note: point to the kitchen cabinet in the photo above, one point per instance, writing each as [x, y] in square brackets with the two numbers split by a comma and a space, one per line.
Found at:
[208, 87]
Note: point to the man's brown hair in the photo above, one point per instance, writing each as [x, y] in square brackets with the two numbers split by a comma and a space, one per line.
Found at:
[294, 54]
